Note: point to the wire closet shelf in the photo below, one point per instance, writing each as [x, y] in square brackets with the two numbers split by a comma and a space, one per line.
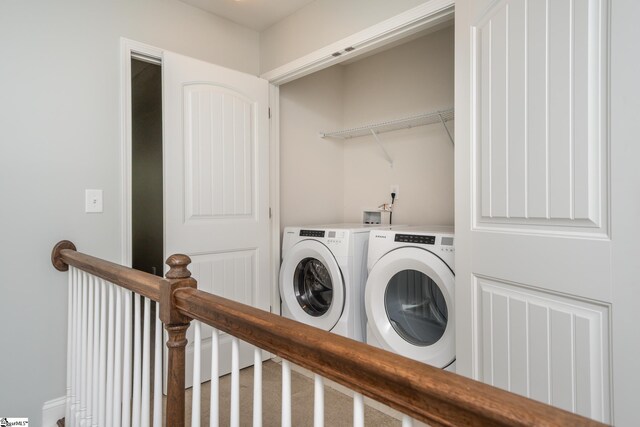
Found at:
[442, 117]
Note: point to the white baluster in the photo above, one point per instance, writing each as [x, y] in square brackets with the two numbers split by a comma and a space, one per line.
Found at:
[235, 383]
[214, 407]
[90, 339]
[286, 394]
[83, 350]
[102, 398]
[195, 392]
[73, 353]
[110, 353]
[318, 407]
[407, 421]
[137, 362]
[75, 416]
[78, 351]
[126, 363]
[358, 410]
[257, 387]
[67, 411]
[157, 371]
[146, 366]
[117, 368]
[95, 381]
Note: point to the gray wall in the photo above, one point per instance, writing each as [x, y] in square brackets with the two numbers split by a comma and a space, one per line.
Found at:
[311, 172]
[60, 134]
[414, 78]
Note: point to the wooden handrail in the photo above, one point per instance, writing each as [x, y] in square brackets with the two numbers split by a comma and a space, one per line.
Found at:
[65, 254]
[419, 390]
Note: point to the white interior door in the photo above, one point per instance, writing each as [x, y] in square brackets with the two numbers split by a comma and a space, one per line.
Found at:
[544, 200]
[216, 172]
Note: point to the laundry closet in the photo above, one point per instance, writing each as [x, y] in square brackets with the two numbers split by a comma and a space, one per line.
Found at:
[324, 179]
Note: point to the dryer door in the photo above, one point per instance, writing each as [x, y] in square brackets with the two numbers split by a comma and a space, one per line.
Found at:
[409, 300]
[311, 285]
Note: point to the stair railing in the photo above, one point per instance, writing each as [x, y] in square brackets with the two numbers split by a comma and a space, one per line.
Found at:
[116, 396]
[109, 352]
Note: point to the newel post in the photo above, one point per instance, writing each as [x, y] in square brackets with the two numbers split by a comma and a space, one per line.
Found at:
[176, 325]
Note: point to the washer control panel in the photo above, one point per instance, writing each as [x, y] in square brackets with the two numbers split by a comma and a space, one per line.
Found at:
[312, 233]
[416, 238]
[329, 237]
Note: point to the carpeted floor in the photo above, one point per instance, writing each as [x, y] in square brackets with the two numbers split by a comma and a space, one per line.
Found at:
[338, 408]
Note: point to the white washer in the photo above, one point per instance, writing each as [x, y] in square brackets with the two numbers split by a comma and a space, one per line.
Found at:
[322, 276]
[409, 294]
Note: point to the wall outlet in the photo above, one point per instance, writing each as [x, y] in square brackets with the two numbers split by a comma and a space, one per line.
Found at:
[395, 188]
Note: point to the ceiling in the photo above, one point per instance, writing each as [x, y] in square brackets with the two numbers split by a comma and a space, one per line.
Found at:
[255, 14]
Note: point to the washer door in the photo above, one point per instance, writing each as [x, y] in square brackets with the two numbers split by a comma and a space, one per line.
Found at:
[311, 285]
[409, 300]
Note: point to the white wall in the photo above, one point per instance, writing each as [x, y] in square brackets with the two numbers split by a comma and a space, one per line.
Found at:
[320, 23]
[60, 134]
[326, 181]
[311, 171]
[414, 78]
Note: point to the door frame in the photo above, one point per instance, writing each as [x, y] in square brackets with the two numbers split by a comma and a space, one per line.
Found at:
[378, 35]
[274, 193]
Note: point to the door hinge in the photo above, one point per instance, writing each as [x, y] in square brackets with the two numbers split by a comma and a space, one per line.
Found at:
[269, 112]
[270, 309]
[269, 212]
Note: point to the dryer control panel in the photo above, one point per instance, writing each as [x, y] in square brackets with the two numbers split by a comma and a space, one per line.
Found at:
[415, 238]
[328, 237]
[312, 233]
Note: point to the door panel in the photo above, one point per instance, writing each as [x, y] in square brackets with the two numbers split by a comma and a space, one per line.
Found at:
[533, 249]
[544, 346]
[219, 159]
[541, 92]
[217, 184]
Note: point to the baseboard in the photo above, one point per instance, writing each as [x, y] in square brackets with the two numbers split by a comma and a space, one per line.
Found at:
[52, 411]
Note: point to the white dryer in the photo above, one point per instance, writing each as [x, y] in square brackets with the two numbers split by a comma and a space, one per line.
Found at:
[322, 276]
[409, 294]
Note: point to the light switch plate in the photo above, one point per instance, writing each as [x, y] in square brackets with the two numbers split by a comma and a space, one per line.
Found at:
[93, 201]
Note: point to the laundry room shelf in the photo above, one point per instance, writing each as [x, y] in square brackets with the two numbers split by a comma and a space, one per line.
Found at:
[441, 117]
[391, 125]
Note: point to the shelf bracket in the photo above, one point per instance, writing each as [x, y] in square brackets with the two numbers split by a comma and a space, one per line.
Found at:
[386, 155]
[445, 127]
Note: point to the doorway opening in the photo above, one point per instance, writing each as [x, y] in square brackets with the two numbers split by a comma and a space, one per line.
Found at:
[146, 167]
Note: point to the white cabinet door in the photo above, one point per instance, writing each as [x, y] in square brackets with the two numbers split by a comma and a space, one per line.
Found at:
[216, 169]
[546, 184]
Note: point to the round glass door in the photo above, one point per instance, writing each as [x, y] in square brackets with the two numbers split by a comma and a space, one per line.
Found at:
[313, 286]
[416, 307]
[409, 301]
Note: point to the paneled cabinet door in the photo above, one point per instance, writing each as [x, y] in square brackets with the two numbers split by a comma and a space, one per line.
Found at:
[216, 163]
[544, 259]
